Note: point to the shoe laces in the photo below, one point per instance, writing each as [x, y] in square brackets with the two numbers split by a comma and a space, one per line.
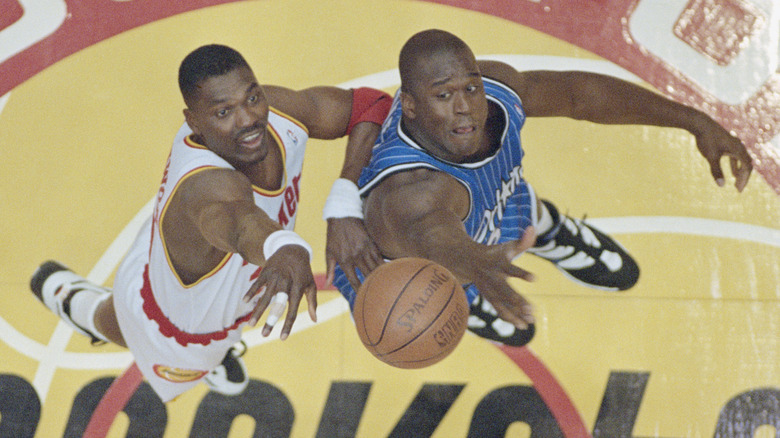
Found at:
[578, 223]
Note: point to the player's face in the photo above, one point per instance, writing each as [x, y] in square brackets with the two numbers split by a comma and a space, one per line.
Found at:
[449, 108]
[230, 116]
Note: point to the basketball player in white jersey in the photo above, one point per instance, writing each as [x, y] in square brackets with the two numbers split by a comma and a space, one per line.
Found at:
[219, 249]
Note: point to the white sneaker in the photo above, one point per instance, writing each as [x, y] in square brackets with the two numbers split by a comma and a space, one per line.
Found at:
[55, 285]
[231, 376]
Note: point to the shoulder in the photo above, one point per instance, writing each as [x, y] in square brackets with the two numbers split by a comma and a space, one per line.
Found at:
[284, 99]
[215, 184]
[522, 82]
[324, 110]
[505, 74]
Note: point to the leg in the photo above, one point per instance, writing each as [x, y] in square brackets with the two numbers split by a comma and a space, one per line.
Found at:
[77, 302]
[106, 323]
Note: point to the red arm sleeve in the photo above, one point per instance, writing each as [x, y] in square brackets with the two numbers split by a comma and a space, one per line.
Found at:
[369, 105]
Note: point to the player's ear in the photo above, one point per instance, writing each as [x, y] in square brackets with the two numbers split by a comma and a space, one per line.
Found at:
[407, 105]
[190, 118]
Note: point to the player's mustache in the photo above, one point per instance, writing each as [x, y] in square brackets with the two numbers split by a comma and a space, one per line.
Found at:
[257, 126]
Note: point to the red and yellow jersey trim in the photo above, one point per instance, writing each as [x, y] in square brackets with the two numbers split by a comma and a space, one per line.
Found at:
[162, 236]
[189, 141]
[168, 329]
[283, 151]
[290, 118]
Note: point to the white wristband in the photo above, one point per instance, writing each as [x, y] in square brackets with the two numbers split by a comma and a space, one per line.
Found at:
[280, 238]
[343, 201]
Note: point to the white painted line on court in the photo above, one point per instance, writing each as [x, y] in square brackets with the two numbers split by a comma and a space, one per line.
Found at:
[3, 101]
[690, 226]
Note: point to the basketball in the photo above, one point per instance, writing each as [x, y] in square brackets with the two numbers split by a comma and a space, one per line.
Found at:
[411, 312]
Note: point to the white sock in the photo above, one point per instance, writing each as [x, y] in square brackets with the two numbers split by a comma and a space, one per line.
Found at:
[545, 222]
[84, 305]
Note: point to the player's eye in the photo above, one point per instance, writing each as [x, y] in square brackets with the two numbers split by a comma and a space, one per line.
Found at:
[222, 112]
[253, 98]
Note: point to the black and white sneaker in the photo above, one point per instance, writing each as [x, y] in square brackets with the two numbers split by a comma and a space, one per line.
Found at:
[585, 254]
[484, 322]
[231, 376]
[55, 285]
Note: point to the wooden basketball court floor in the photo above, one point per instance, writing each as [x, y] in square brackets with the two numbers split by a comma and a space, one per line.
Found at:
[692, 351]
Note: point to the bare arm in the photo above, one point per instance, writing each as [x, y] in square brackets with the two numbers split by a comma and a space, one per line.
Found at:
[326, 113]
[608, 100]
[418, 213]
[212, 214]
[348, 242]
[323, 110]
[330, 112]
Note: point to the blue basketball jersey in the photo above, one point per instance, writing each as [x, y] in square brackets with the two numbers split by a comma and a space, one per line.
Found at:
[501, 201]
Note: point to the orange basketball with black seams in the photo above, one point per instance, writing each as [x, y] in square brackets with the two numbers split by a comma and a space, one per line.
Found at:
[411, 312]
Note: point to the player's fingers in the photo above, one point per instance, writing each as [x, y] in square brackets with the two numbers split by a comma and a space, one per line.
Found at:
[529, 238]
[275, 311]
[349, 271]
[258, 288]
[528, 313]
[292, 315]
[310, 291]
[517, 247]
[366, 264]
[330, 263]
[311, 300]
[520, 321]
[741, 170]
[274, 285]
[518, 272]
[376, 259]
[259, 310]
[716, 171]
[508, 304]
[373, 259]
[523, 314]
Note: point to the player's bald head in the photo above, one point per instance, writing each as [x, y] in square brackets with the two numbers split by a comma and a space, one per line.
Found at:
[421, 47]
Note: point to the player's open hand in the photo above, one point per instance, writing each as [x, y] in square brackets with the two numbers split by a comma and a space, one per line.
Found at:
[284, 280]
[348, 244]
[491, 281]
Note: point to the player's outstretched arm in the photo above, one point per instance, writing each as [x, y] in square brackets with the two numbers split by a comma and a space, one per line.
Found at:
[348, 242]
[609, 100]
[219, 204]
[331, 112]
[418, 214]
[328, 113]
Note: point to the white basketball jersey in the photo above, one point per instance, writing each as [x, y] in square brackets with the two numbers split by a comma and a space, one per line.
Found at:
[178, 332]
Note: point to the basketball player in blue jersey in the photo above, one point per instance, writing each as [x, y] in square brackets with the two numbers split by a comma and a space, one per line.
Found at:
[445, 181]
[219, 249]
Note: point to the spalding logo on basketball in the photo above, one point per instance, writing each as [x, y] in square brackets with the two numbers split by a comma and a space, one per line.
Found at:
[411, 312]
